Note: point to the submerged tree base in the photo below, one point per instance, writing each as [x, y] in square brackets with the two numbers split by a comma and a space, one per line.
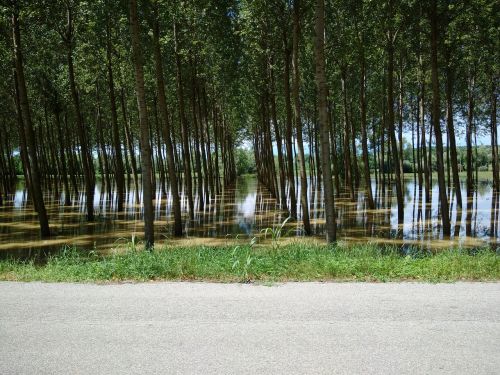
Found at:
[290, 262]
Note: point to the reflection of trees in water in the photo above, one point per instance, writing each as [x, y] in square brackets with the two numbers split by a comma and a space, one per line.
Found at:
[243, 185]
[224, 214]
[408, 191]
[484, 187]
[316, 202]
[228, 210]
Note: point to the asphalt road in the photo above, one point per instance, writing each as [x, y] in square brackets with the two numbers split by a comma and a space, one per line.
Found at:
[295, 328]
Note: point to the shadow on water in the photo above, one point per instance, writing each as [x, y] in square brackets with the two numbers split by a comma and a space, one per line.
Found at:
[242, 211]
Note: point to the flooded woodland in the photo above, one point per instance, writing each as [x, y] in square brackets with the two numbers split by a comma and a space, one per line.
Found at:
[241, 213]
[173, 122]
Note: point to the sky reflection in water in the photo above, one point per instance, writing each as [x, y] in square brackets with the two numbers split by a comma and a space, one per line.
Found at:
[242, 212]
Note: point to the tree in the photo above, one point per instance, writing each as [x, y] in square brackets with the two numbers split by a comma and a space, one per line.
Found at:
[319, 47]
[362, 106]
[217, 76]
[26, 126]
[86, 154]
[119, 172]
[298, 119]
[390, 114]
[147, 187]
[436, 117]
[162, 102]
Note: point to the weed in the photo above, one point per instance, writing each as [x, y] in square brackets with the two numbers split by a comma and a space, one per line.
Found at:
[243, 263]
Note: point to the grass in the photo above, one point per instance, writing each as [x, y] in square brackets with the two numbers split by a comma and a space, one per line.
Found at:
[289, 262]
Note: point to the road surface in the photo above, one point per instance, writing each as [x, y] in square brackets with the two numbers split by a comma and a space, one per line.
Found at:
[294, 328]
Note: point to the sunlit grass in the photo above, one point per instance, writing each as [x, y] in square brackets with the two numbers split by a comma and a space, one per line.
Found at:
[289, 262]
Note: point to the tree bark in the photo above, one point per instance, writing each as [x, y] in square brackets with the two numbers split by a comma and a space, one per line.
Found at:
[86, 155]
[279, 143]
[319, 52]
[494, 137]
[119, 171]
[210, 167]
[147, 191]
[288, 129]
[390, 115]
[451, 133]
[184, 127]
[162, 104]
[364, 136]
[298, 120]
[196, 126]
[348, 180]
[400, 123]
[36, 187]
[130, 145]
[468, 140]
[105, 168]
[436, 116]
[62, 151]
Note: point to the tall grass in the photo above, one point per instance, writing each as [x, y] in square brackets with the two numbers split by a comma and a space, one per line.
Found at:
[289, 262]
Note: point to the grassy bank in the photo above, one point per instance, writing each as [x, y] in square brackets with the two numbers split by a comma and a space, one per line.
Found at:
[297, 262]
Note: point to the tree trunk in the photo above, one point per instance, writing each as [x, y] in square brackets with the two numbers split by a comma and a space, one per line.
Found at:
[451, 136]
[162, 104]
[382, 131]
[210, 167]
[390, 113]
[105, 169]
[423, 143]
[62, 151]
[216, 149]
[436, 116]
[288, 129]
[86, 154]
[147, 191]
[364, 136]
[354, 159]
[468, 141]
[119, 171]
[72, 162]
[156, 137]
[494, 137]
[468, 138]
[197, 155]
[184, 127]
[333, 140]
[23, 148]
[130, 145]
[277, 133]
[347, 135]
[400, 123]
[319, 53]
[202, 121]
[298, 120]
[36, 187]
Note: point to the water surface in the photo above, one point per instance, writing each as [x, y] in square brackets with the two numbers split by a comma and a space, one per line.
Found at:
[242, 212]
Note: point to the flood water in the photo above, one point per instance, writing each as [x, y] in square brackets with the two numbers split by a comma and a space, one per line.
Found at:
[242, 212]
